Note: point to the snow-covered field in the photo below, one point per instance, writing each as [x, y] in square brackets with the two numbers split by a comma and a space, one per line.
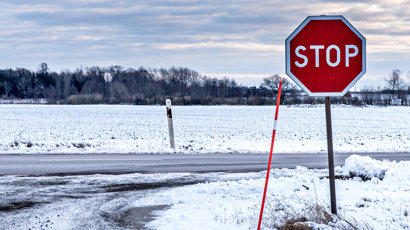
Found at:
[199, 129]
[207, 201]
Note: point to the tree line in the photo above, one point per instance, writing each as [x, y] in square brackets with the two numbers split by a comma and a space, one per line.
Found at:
[116, 85]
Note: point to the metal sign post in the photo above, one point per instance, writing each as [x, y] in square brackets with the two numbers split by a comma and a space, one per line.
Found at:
[170, 124]
[330, 157]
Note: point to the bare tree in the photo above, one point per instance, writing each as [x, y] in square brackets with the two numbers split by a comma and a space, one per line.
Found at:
[42, 80]
[43, 68]
[119, 92]
[6, 88]
[270, 87]
[24, 81]
[66, 77]
[368, 95]
[395, 84]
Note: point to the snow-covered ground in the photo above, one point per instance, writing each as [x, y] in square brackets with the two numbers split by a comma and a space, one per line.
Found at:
[199, 129]
[207, 201]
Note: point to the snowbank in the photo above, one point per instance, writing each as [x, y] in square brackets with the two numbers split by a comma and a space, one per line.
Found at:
[365, 167]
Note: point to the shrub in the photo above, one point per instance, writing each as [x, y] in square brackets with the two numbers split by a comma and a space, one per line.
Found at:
[85, 99]
[29, 144]
[279, 215]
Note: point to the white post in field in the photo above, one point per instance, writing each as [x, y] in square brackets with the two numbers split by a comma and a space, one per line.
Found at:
[170, 124]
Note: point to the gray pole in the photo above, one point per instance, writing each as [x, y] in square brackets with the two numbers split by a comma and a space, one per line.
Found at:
[330, 156]
[170, 124]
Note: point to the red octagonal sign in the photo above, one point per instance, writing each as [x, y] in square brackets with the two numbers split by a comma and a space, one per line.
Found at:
[325, 55]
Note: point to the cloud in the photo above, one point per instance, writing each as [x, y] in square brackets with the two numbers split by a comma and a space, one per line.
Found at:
[199, 33]
[225, 45]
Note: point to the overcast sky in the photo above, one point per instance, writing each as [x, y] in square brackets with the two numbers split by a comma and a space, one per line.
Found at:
[239, 38]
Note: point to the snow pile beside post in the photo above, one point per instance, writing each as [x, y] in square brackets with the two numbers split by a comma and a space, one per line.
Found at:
[398, 174]
[365, 167]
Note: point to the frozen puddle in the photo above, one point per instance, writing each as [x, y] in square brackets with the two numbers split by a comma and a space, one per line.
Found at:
[371, 193]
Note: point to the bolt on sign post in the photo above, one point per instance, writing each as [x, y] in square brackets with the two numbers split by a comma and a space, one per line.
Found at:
[326, 56]
[270, 155]
[170, 124]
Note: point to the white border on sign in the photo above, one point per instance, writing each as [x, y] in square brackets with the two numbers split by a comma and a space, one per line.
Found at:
[298, 29]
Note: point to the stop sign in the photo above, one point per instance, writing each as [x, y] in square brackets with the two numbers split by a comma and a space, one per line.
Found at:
[325, 55]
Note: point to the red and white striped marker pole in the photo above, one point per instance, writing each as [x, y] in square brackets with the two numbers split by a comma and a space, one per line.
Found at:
[270, 155]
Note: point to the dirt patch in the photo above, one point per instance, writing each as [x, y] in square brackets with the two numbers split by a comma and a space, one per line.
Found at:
[138, 217]
[52, 182]
[146, 186]
[296, 224]
[351, 176]
[134, 218]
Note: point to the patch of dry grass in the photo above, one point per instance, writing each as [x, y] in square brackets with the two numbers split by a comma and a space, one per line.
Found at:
[282, 216]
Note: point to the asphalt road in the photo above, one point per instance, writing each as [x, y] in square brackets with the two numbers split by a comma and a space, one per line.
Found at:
[81, 164]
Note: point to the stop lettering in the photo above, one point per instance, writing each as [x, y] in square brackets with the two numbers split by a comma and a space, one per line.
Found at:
[326, 55]
[317, 48]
